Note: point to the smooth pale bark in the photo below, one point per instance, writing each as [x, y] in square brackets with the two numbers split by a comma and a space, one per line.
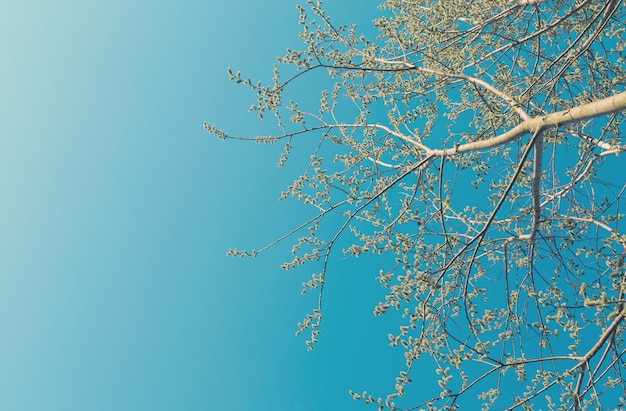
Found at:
[597, 108]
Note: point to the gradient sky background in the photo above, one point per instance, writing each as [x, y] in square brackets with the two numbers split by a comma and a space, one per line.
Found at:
[117, 210]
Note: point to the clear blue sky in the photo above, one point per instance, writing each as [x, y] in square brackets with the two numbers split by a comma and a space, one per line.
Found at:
[117, 209]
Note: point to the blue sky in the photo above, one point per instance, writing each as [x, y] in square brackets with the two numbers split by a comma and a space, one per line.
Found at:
[118, 208]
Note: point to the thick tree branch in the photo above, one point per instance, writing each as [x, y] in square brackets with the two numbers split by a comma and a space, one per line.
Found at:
[597, 108]
[536, 187]
[603, 338]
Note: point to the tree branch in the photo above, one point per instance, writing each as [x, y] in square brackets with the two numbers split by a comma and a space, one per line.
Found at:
[597, 108]
[509, 100]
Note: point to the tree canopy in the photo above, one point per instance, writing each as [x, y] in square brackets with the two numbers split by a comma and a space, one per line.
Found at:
[476, 146]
